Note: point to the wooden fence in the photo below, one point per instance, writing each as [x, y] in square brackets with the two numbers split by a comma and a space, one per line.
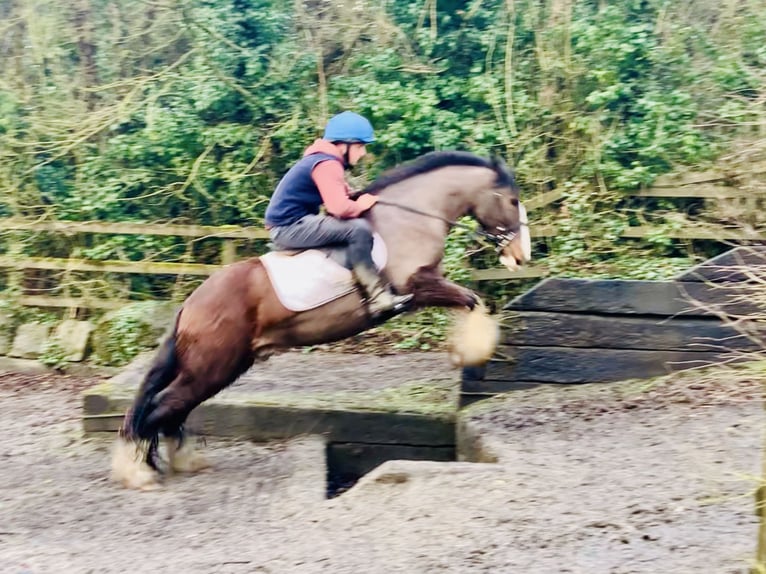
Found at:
[229, 236]
[707, 185]
[572, 331]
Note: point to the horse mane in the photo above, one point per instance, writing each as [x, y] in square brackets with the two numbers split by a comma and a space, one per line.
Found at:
[437, 159]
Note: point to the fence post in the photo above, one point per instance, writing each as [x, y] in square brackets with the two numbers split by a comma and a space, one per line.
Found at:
[760, 502]
[16, 274]
[228, 251]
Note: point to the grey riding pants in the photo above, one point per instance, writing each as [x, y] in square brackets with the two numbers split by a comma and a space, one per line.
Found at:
[327, 231]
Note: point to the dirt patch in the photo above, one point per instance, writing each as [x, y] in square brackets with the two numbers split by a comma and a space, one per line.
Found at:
[633, 477]
[593, 479]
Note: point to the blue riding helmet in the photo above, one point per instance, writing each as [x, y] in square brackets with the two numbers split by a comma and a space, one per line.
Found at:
[349, 127]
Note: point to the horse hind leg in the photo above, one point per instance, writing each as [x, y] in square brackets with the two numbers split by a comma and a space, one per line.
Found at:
[135, 458]
[183, 456]
[183, 377]
[166, 414]
[129, 466]
[134, 452]
[172, 407]
[176, 402]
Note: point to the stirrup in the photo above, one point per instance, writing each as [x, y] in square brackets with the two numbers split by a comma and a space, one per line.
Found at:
[397, 305]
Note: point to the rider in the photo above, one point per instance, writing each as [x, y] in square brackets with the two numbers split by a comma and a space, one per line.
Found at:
[293, 217]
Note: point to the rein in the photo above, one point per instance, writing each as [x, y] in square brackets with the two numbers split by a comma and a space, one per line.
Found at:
[499, 239]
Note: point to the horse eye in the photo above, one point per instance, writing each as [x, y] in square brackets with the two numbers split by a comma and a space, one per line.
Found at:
[515, 201]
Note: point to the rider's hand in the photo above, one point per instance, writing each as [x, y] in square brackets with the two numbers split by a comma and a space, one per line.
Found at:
[366, 201]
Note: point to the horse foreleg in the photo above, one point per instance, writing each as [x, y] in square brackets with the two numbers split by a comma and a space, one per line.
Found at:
[474, 338]
[475, 334]
[431, 289]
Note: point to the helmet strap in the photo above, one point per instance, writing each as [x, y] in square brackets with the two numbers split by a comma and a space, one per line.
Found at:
[346, 161]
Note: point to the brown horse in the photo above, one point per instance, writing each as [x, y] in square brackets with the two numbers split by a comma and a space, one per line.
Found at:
[236, 318]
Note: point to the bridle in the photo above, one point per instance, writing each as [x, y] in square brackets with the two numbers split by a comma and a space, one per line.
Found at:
[501, 239]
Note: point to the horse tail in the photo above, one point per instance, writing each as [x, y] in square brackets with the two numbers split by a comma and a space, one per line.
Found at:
[161, 373]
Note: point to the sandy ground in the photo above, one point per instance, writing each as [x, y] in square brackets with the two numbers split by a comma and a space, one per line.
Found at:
[594, 479]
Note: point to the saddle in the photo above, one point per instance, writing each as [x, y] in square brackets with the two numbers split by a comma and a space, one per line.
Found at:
[307, 279]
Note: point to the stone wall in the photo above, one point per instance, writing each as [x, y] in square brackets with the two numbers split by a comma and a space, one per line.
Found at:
[113, 339]
[31, 340]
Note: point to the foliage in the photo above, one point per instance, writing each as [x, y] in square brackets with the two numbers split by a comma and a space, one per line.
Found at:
[54, 356]
[190, 111]
[14, 315]
[122, 335]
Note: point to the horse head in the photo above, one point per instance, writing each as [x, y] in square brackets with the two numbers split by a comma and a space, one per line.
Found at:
[503, 217]
[444, 186]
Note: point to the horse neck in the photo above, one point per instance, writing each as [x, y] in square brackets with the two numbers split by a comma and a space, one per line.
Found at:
[414, 240]
[449, 192]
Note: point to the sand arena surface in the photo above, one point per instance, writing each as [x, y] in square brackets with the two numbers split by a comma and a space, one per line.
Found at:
[595, 479]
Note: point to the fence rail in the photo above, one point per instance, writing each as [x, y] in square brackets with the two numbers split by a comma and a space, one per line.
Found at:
[703, 185]
[197, 231]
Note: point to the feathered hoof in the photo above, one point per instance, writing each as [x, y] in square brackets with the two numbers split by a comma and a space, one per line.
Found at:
[187, 458]
[129, 467]
[474, 338]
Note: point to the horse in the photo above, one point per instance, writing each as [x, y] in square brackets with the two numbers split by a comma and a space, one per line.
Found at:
[236, 317]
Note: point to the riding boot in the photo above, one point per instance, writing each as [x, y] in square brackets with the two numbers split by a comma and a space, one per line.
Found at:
[382, 303]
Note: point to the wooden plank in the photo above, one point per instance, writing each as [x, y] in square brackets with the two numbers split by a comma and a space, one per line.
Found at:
[715, 233]
[466, 399]
[232, 232]
[744, 263]
[72, 302]
[696, 232]
[688, 178]
[149, 267]
[606, 332]
[260, 422]
[573, 366]
[130, 228]
[617, 297]
[691, 178]
[102, 423]
[228, 252]
[103, 412]
[496, 273]
[702, 191]
[356, 459]
[474, 373]
[542, 230]
[198, 231]
[543, 199]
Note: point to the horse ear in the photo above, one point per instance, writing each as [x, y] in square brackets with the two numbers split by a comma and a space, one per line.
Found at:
[498, 163]
[505, 175]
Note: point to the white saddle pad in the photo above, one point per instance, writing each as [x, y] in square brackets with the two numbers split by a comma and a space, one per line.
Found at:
[310, 278]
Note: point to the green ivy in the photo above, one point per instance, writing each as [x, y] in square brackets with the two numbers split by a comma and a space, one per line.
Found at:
[123, 334]
[54, 356]
[193, 111]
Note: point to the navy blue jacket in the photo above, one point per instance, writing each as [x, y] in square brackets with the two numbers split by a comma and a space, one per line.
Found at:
[296, 195]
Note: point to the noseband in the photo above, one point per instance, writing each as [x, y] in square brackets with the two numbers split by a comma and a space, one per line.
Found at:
[501, 239]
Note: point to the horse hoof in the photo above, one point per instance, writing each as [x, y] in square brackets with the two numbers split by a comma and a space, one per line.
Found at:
[187, 458]
[474, 338]
[189, 462]
[129, 467]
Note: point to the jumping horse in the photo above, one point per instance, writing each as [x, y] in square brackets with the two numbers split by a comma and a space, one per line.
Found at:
[235, 317]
